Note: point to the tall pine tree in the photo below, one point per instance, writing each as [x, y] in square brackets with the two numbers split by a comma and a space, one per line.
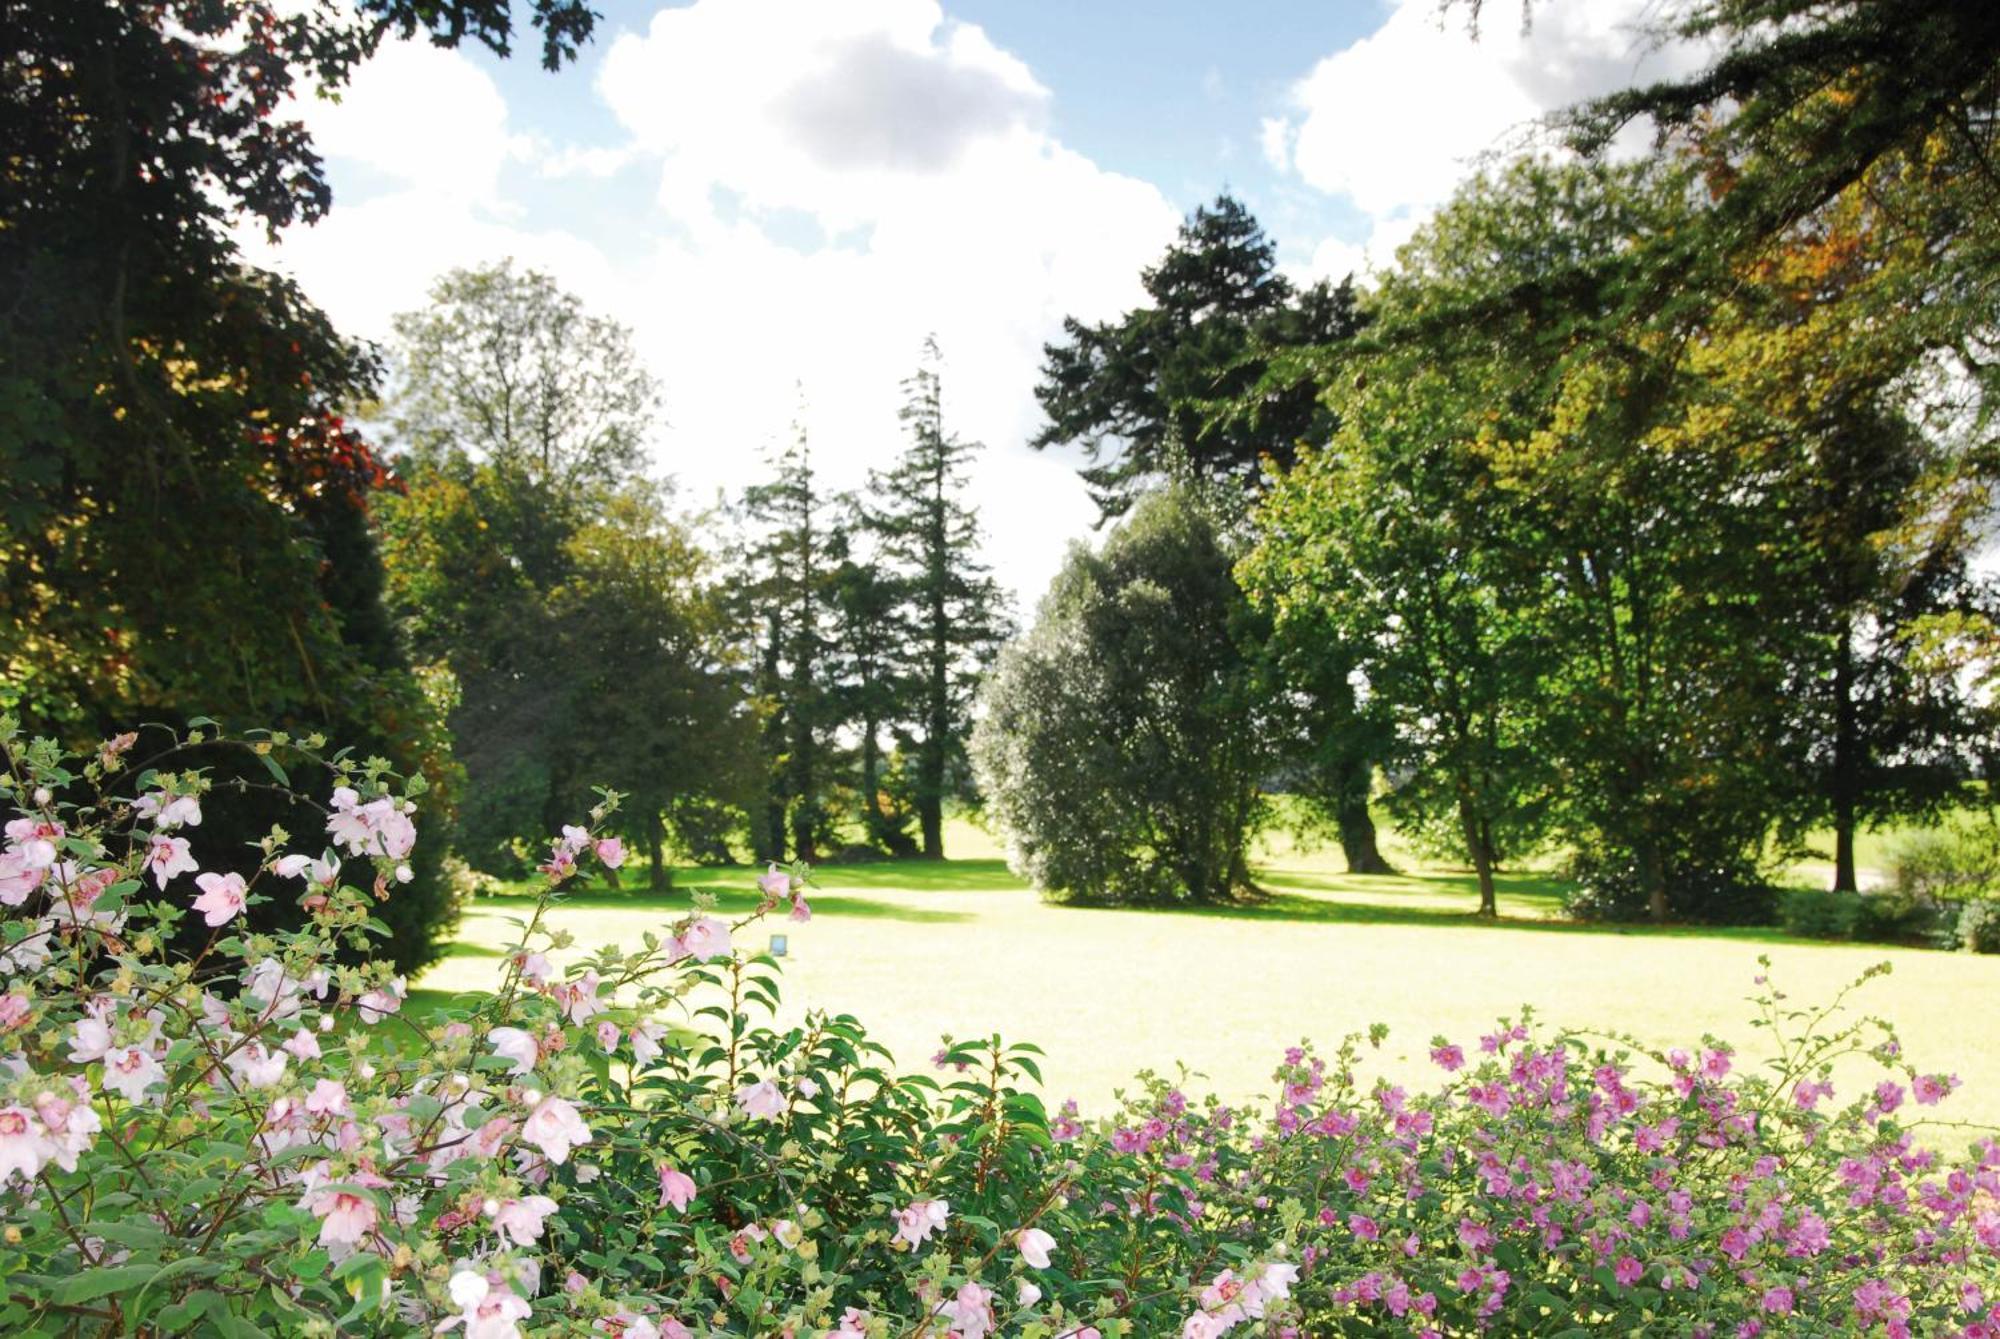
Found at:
[792, 560]
[956, 614]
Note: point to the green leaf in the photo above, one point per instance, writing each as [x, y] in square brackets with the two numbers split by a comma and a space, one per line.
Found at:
[100, 1282]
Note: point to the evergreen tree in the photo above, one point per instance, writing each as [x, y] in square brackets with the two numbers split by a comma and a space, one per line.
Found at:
[1197, 369]
[870, 653]
[954, 614]
[789, 594]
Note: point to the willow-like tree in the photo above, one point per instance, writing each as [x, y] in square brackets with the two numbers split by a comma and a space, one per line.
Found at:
[954, 616]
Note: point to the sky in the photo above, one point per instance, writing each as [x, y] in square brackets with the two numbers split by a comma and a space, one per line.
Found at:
[782, 198]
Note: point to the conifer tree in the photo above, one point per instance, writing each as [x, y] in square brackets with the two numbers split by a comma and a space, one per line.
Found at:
[956, 614]
[792, 560]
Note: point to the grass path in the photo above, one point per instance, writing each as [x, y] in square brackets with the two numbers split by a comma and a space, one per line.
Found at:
[964, 948]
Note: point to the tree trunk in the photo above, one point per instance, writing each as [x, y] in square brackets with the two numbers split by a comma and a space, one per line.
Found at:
[1844, 781]
[1357, 829]
[1653, 877]
[1482, 858]
[659, 878]
[930, 795]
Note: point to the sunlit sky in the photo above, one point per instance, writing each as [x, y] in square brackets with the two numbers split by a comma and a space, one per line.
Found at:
[782, 197]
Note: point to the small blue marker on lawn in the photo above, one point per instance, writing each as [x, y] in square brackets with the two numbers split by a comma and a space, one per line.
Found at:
[779, 945]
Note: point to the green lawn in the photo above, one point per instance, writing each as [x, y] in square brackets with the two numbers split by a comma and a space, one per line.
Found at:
[964, 947]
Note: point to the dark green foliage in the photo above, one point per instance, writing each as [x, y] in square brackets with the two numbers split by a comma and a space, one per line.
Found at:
[1714, 886]
[1817, 913]
[1192, 372]
[870, 654]
[181, 506]
[948, 615]
[786, 598]
[1125, 737]
[542, 577]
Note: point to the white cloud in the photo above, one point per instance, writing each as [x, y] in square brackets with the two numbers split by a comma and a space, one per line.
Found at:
[1395, 121]
[423, 116]
[1275, 136]
[912, 152]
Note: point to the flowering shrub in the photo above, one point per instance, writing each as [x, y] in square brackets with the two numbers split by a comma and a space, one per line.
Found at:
[256, 1133]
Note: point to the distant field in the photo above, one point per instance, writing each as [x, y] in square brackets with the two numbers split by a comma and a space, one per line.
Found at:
[964, 947]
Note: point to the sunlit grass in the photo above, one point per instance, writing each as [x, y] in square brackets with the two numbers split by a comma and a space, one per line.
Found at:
[965, 948]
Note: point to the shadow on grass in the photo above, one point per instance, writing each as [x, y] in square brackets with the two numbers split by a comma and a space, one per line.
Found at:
[730, 901]
[1527, 902]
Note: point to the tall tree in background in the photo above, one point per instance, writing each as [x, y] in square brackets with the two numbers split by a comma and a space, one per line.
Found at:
[1382, 541]
[520, 416]
[656, 706]
[1207, 380]
[788, 592]
[1191, 372]
[954, 616]
[871, 655]
[1124, 740]
[183, 523]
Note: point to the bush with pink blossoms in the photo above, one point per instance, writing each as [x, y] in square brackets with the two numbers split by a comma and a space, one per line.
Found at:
[256, 1135]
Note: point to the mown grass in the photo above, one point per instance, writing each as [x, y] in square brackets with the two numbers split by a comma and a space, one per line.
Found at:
[963, 947]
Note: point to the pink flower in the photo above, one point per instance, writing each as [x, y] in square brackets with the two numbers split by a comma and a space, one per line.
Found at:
[346, 1218]
[1933, 1088]
[1778, 1300]
[520, 1221]
[1448, 1057]
[1627, 1271]
[328, 1098]
[316, 869]
[1034, 1245]
[676, 1188]
[610, 852]
[23, 1146]
[257, 1065]
[774, 883]
[706, 938]
[923, 1217]
[379, 827]
[169, 811]
[221, 897]
[853, 1325]
[578, 998]
[646, 1038]
[382, 1001]
[971, 1312]
[1715, 1065]
[302, 1045]
[168, 856]
[761, 1099]
[554, 1127]
[18, 878]
[511, 1043]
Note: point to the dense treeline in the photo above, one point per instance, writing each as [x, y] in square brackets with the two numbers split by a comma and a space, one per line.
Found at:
[1633, 513]
[1636, 509]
